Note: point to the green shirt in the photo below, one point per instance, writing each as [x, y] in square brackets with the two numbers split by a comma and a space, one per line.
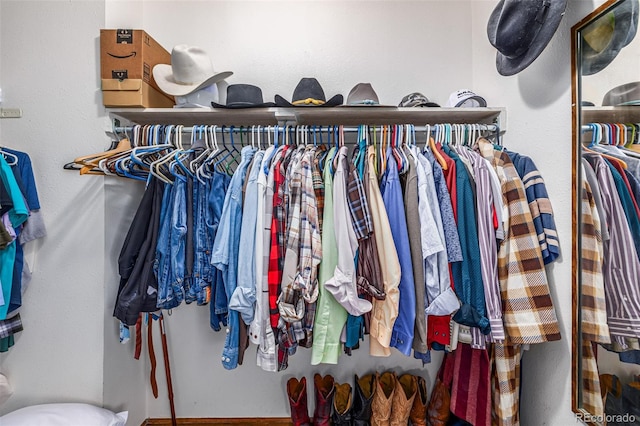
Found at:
[330, 315]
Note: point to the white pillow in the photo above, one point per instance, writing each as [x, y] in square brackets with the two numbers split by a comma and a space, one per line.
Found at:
[70, 414]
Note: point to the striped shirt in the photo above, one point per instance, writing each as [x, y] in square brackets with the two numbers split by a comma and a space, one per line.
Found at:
[621, 267]
[539, 204]
[488, 246]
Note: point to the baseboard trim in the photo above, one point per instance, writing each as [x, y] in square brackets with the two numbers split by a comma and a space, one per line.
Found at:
[248, 421]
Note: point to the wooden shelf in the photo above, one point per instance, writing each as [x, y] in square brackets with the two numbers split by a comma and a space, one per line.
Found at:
[346, 115]
[610, 114]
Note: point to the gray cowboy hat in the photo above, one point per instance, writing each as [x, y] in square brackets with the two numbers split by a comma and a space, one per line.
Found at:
[625, 94]
[521, 29]
[603, 39]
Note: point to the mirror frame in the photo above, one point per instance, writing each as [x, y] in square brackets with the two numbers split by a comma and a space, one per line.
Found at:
[576, 121]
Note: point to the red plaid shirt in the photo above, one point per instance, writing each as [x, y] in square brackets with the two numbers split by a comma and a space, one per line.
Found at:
[278, 225]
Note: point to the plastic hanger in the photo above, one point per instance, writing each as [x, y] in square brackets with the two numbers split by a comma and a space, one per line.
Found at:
[201, 173]
[156, 166]
[434, 149]
[218, 165]
[632, 139]
[10, 158]
[596, 135]
[273, 151]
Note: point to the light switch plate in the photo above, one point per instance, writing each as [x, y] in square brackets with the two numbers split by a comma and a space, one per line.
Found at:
[10, 112]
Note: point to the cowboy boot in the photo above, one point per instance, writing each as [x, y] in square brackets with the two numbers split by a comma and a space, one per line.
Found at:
[406, 389]
[438, 413]
[362, 397]
[342, 405]
[297, 393]
[418, 413]
[325, 388]
[383, 398]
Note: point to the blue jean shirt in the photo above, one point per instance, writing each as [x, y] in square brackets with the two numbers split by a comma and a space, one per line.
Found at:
[201, 280]
[225, 253]
[215, 202]
[162, 265]
[178, 239]
[403, 328]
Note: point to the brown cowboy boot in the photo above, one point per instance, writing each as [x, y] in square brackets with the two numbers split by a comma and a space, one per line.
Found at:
[383, 398]
[324, 387]
[297, 393]
[406, 389]
[418, 415]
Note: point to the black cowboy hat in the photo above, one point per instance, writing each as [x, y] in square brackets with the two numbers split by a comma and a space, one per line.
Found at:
[521, 29]
[243, 96]
[603, 39]
[308, 92]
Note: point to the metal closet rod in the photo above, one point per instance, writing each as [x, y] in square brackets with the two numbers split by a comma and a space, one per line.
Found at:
[351, 129]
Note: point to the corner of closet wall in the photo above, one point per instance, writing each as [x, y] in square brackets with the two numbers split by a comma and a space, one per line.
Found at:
[125, 382]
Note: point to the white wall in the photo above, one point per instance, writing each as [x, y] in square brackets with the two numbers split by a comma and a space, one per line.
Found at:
[50, 69]
[434, 47]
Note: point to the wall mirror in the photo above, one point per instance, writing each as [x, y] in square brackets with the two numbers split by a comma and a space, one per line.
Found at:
[606, 217]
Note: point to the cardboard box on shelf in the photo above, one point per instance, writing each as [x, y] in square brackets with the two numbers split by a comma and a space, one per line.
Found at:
[127, 58]
[133, 93]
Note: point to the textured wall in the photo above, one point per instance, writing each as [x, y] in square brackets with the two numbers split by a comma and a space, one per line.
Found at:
[50, 70]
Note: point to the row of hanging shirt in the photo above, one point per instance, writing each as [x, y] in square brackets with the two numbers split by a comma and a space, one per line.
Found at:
[610, 235]
[310, 245]
[609, 250]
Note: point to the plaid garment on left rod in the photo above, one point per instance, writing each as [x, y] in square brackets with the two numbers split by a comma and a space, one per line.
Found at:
[10, 326]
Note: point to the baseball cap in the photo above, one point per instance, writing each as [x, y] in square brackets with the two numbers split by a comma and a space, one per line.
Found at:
[416, 99]
[465, 98]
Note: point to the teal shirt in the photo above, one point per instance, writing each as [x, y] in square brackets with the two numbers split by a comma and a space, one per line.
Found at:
[17, 215]
[330, 315]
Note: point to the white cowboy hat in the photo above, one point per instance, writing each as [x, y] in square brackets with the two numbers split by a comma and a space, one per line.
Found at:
[190, 70]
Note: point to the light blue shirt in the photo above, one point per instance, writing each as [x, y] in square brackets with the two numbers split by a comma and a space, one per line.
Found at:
[225, 253]
[244, 296]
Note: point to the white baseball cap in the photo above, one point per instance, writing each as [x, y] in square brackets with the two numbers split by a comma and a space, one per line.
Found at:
[465, 98]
